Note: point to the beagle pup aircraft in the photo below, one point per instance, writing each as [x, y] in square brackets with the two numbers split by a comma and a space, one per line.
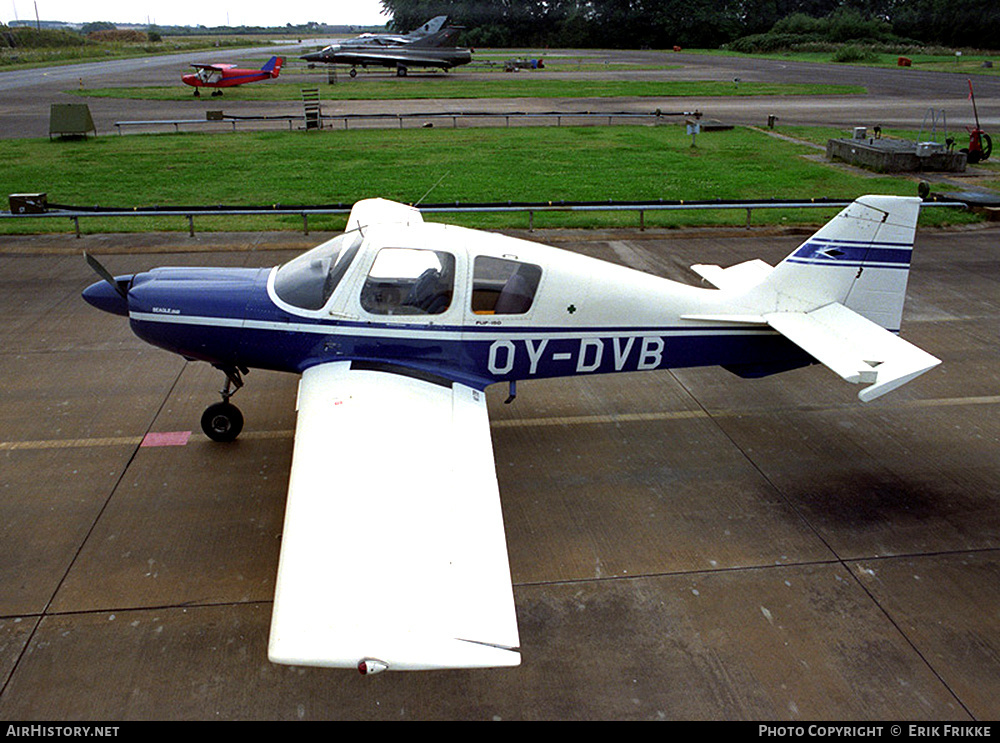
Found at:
[397, 327]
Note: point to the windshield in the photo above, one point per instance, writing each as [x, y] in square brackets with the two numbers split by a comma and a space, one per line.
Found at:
[308, 281]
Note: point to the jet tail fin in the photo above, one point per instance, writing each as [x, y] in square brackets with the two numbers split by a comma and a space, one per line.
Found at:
[442, 37]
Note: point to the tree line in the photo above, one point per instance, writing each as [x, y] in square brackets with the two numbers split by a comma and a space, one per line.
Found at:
[708, 24]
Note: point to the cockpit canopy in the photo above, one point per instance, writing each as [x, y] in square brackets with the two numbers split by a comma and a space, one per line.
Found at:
[408, 280]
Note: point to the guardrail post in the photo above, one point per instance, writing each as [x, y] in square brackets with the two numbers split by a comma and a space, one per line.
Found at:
[76, 221]
[748, 217]
[305, 223]
[642, 220]
[531, 220]
[190, 225]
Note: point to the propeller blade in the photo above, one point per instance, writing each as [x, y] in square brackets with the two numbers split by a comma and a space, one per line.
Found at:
[105, 274]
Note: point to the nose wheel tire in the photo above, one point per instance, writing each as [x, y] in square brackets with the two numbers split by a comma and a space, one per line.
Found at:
[222, 421]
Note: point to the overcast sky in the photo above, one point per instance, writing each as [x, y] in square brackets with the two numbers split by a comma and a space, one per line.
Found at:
[191, 13]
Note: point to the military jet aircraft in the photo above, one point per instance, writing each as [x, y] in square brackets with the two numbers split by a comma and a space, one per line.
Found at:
[425, 47]
[431, 27]
[393, 554]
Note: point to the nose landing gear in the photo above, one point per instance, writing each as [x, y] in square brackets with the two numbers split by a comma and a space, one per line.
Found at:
[223, 421]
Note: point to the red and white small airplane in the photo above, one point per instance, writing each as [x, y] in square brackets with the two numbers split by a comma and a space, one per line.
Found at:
[229, 75]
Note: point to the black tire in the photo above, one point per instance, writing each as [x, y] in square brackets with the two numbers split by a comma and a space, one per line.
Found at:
[987, 145]
[222, 422]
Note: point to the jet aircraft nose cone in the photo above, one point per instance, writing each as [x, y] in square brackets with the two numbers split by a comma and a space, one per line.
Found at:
[103, 296]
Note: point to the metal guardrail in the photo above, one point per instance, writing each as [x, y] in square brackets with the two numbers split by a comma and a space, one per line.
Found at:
[399, 118]
[457, 208]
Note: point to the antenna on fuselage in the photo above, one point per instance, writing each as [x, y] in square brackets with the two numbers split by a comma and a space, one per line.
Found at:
[432, 188]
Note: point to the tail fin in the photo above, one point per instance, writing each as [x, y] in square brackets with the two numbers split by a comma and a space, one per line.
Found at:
[273, 65]
[860, 259]
[431, 27]
[441, 37]
[839, 296]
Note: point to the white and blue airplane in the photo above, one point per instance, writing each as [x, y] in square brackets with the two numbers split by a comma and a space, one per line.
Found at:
[393, 554]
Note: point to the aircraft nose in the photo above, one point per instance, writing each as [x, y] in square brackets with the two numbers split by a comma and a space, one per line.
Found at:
[103, 296]
[313, 57]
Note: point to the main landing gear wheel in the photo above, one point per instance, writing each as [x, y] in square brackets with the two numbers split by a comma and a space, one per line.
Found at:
[222, 421]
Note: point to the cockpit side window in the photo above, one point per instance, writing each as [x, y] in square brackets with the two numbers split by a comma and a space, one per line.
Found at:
[501, 286]
[409, 281]
[308, 281]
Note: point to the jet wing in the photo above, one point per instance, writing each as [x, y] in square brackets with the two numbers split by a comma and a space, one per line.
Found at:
[395, 56]
[854, 347]
[393, 550]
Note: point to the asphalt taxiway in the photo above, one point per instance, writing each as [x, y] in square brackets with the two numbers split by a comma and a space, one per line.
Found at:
[683, 544]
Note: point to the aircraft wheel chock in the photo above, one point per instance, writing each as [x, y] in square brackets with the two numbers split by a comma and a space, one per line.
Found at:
[222, 421]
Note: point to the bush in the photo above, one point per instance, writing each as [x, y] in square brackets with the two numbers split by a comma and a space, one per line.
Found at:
[799, 23]
[798, 31]
[24, 37]
[854, 53]
[772, 42]
[119, 36]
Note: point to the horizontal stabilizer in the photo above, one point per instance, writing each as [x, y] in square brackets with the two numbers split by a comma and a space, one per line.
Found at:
[856, 348]
[741, 276]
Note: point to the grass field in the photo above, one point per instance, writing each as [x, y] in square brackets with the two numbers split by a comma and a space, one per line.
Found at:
[441, 87]
[468, 165]
[966, 63]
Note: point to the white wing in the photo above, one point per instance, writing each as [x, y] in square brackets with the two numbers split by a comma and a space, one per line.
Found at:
[376, 211]
[393, 547]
